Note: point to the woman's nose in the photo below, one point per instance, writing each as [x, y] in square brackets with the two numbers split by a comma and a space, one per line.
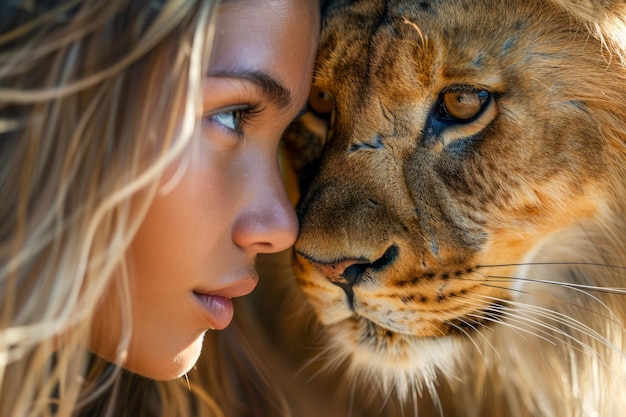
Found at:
[268, 223]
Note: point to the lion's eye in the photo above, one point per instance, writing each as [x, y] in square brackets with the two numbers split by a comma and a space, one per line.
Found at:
[461, 112]
[463, 105]
[321, 101]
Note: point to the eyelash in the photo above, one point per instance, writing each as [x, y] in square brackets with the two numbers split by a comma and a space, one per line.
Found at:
[247, 114]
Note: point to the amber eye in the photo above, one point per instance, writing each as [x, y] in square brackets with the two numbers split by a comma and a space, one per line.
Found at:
[321, 101]
[465, 104]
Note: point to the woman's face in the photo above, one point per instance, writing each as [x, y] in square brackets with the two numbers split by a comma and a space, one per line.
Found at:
[196, 248]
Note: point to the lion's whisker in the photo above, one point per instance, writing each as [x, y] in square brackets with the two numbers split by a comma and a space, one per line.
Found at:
[610, 290]
[613, 317]
[469, 337]
[519, 314]
[480, 307]
[517, 329]
[504, 278]
[563, 263]
[563, 319]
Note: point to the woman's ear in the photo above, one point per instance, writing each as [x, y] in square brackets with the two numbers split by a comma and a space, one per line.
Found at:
[605, 20]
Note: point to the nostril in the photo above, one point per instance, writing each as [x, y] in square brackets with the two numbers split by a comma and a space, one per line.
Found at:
[351, 271]
[344, 272]
[387, 259]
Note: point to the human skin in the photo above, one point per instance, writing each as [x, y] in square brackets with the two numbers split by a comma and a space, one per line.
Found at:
[195, 250]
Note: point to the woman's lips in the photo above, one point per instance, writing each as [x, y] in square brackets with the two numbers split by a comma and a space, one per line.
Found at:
[217, 302]
[219, 309]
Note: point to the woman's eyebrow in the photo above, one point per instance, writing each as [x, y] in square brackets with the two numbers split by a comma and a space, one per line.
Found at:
[271, 88]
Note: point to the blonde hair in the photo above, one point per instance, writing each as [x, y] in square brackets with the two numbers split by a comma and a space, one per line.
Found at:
[91, 94]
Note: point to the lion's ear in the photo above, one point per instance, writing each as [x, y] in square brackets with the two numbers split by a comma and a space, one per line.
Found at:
[605, 19]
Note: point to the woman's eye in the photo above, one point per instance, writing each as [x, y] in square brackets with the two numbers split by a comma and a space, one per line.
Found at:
[231, 119]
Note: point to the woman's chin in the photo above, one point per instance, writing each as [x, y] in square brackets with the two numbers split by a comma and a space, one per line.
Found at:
[164, 366]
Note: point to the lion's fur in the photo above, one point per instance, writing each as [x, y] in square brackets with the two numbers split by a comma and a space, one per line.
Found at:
[489, 254]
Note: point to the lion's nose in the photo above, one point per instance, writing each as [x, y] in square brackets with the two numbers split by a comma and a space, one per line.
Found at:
[351, 271]
[346, 271]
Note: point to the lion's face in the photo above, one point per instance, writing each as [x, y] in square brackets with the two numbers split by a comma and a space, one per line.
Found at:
[461, 135]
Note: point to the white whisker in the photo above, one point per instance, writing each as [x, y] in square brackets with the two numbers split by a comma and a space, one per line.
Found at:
[613, 317]
[565, 320]
[469, 337]
[598, 264]
[612, 290]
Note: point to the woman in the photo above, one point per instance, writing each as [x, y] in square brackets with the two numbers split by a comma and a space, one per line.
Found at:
[138, 176]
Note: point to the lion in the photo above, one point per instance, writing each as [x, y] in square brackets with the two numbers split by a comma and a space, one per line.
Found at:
[462, 172]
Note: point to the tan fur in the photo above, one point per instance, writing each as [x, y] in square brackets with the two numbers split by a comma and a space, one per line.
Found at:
[478, 263]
